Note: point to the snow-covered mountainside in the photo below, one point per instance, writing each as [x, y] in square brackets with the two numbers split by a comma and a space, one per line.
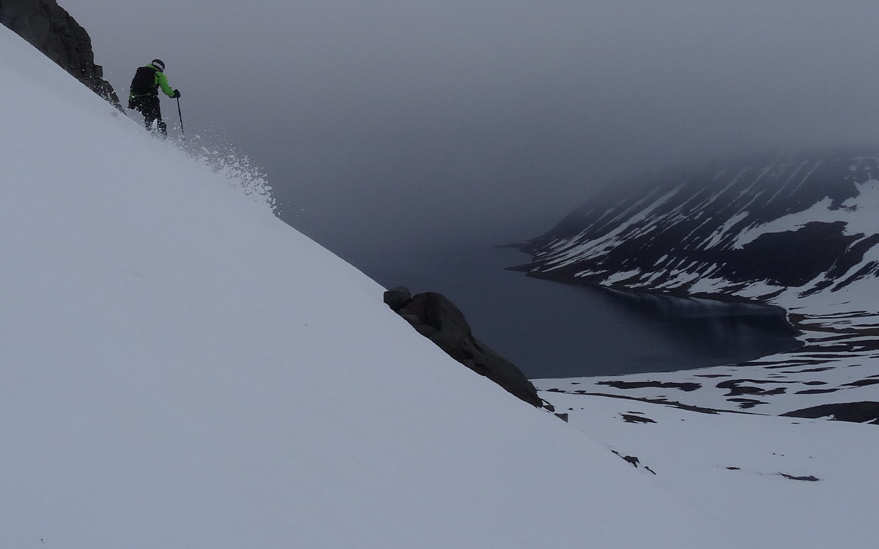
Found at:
[759, 227]
[796, 231]
[182, 370]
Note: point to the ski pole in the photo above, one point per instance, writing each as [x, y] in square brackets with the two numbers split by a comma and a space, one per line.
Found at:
[180, 114]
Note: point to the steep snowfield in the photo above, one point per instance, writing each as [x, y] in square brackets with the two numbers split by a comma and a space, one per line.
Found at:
[178, 368]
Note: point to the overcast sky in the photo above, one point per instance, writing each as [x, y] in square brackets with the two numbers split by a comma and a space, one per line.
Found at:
[395, 123]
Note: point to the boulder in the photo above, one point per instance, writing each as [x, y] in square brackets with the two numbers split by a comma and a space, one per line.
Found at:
[437, 318]
[397, 298]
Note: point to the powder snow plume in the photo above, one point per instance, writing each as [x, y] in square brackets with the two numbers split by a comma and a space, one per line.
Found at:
[234, 166]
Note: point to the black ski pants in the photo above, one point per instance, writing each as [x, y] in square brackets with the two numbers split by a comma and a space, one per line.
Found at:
[148, 106]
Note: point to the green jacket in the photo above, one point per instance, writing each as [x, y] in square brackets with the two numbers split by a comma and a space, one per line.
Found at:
[161, 81]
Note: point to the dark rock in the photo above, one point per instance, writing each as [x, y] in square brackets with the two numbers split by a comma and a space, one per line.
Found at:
[630, 418]
[737, 387]
[856, 412]
[438, 319]
[746, 403]
[862, 383]
[630, 459]
[781, 258]
[805, 478]
[397, 298]
[50, 29]
[687, 386]
[816, 391]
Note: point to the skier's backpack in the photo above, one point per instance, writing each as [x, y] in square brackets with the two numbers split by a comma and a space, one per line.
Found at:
[144, 82]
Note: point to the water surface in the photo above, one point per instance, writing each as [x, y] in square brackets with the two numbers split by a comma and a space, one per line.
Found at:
[550, 329]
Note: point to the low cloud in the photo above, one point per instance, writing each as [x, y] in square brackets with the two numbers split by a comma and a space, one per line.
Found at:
[390, 123]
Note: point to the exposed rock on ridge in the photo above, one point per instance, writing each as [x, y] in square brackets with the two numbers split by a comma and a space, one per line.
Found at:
[438, 319]
[52, 30]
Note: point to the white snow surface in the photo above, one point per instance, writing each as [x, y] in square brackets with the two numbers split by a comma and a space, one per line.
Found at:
[179, 369]
[788, 482]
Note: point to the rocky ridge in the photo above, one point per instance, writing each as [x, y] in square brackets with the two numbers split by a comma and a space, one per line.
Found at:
[50, 28]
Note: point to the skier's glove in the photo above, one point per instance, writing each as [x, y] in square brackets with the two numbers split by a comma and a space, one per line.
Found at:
[176, 94]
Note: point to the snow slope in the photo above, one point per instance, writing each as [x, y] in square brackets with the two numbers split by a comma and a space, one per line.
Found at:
[178, 368]
[790, 483]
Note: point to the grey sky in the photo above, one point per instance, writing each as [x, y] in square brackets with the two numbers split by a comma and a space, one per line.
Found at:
[391, 123]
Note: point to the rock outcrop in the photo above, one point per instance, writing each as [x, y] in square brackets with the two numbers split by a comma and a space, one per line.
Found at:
[438, 319]
[52, 30]
[855, 412]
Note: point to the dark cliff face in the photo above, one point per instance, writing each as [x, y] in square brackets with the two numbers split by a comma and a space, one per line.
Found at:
[781, 221]
[52, 30]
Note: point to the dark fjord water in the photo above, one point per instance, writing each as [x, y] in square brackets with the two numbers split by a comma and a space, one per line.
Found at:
[550, 329]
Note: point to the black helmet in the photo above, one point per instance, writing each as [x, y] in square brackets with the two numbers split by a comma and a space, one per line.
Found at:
[159, 64]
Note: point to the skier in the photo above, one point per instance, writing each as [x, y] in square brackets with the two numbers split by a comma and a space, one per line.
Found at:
[144, 94]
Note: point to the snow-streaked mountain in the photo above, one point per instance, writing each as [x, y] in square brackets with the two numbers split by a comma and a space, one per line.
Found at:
[796, 231]
[180, 369]
[758, 227]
